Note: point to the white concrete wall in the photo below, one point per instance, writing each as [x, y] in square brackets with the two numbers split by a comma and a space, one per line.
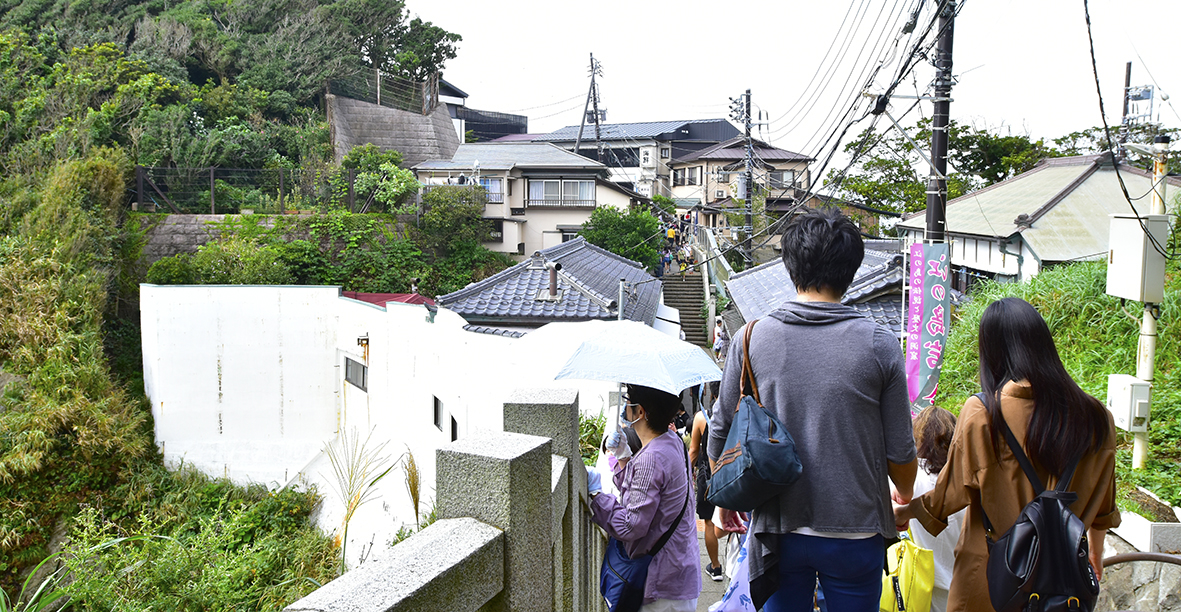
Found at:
[248, 383]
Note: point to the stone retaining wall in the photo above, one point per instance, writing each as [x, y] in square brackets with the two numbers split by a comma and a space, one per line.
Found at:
[1139, 585]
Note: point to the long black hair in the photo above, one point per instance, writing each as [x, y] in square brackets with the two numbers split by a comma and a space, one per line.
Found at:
[1015, 344]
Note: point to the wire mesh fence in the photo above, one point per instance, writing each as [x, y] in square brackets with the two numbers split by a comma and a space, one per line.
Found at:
[389, 91]
[238, 190]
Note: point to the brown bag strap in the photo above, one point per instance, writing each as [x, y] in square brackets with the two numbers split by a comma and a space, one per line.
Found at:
[748, 372]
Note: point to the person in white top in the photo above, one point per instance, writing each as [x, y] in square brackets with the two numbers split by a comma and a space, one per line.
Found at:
[933, 429]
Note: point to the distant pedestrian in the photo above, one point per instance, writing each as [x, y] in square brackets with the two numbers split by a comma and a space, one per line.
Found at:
[705, 510]
[721, 340]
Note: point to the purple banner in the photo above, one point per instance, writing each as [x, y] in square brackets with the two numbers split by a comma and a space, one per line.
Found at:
[926, 321]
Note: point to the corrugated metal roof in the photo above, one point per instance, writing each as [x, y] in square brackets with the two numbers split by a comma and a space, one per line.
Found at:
[508, 155]
[589, 281]
[622, 131]
[1067, 200]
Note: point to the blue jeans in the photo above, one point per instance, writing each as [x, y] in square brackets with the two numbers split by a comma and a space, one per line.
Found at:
[850, 572]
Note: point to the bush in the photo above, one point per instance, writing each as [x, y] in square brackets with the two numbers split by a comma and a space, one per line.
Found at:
[175, 270]
[238, 261]
[200, 544]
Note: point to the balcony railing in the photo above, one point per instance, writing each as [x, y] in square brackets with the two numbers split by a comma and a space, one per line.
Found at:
[560, 203]
[493, 198]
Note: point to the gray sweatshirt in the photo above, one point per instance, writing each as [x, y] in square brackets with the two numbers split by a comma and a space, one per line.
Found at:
[836, 380]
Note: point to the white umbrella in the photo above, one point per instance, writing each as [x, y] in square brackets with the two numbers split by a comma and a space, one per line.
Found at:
[631, 352]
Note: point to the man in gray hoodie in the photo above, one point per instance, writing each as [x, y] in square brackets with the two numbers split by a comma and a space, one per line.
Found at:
[836, 380]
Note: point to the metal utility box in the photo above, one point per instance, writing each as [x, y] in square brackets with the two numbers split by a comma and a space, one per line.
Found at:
[1128, 400]
[1135, 269]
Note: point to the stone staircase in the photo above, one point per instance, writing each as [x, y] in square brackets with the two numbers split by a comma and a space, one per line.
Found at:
[687, 295]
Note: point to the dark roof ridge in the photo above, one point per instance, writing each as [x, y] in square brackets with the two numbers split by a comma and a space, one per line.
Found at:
[1061, 195]
[602, 301]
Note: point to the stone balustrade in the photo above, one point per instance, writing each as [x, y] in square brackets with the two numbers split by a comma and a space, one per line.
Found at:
[514, 530]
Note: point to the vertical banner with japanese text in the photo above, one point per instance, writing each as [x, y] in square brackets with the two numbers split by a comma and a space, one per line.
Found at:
[926, 321]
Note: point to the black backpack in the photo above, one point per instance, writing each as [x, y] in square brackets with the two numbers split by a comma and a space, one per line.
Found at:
[1041, 564]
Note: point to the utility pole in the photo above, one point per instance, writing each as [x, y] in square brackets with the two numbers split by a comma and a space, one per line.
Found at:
[740, 112]
[1123, 124]
[592, 97]
[937, 182]
[1146, 349]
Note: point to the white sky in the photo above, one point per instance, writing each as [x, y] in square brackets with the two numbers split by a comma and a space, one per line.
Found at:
[1024, 64]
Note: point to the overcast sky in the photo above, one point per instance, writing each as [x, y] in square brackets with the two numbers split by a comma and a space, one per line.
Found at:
[1023, 64]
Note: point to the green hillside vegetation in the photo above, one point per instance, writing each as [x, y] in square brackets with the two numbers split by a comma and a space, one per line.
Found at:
[1094, 338]
[88, 91]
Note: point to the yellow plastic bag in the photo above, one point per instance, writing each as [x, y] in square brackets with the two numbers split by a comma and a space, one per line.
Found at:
[907, 585]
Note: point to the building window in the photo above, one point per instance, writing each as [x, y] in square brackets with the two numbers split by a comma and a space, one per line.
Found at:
[723, 177]
[454, 429]
[687, 176]
[439, 414]
[782, 179]
[356, 374]
[557, 193]
[664, 152]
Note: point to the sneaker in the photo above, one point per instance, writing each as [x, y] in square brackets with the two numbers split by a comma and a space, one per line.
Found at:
[715, 573]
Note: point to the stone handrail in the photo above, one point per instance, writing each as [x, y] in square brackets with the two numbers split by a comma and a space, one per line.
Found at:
[514, 530]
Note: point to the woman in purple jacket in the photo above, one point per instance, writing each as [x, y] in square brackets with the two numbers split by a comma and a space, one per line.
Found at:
[654, 490]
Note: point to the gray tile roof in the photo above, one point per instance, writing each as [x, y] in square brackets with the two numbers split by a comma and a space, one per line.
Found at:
[886, 310]
[493, 331]
[621, 131]
[511, 154]
[588, 282]
[760, 290]
[735, 149]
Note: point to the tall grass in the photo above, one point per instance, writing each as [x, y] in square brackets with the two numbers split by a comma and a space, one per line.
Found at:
[1095, 338]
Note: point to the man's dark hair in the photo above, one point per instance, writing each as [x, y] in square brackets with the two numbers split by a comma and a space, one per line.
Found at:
[822, 249]
[660, 406]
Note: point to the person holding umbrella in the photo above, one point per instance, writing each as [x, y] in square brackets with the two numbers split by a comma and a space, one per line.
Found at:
[654, 498]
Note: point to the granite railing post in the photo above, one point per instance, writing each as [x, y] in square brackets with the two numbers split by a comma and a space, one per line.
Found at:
[503, 479]
[553, 413]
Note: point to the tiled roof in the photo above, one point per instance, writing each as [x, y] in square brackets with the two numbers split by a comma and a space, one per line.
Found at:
[622, 131]
[510, 154]
[735, 149]
[588, 283]
[760, 290]
[493, 331]
[886, 310]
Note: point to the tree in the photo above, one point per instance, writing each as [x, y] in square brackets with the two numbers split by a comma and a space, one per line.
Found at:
[1094, 140]
[634, 234]
[889, 173]
[387, 43]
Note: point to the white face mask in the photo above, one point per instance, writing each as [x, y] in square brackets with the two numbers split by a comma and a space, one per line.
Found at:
[623, 422]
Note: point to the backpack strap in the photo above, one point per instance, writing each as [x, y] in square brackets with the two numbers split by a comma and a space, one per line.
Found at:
[748, 373]
[1026, 466]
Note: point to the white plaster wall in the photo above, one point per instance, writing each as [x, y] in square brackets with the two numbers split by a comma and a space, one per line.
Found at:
[238, 373]
[987, 256]
[248, 383]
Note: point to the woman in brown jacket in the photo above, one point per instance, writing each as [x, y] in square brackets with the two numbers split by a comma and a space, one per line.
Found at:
[1024, 380]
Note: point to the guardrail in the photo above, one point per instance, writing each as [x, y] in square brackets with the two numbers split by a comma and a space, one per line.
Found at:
[515, 530]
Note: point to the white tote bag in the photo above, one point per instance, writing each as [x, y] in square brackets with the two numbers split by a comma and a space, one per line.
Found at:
[737, 596]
